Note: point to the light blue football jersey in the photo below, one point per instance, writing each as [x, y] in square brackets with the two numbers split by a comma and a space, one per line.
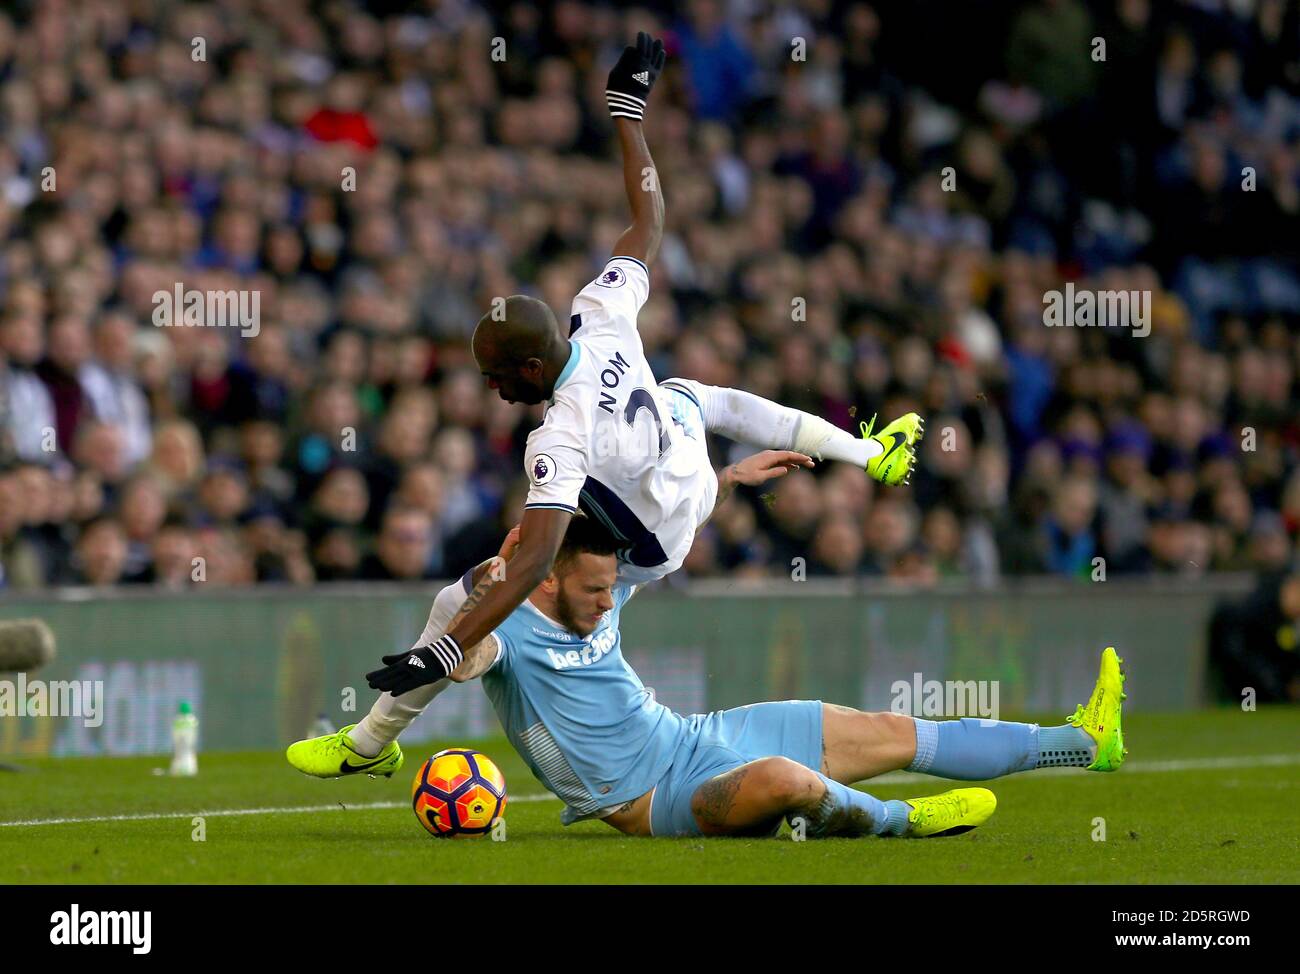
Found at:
[577, 713]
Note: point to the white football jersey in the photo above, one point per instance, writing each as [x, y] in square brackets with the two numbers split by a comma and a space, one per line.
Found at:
[616, 444]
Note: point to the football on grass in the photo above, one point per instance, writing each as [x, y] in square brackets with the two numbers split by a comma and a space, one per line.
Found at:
[458, 792]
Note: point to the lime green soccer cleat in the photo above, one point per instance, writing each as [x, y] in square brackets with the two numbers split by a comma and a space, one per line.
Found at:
[1100, 718]
[898, 445]
[333, 756]
[951, 813]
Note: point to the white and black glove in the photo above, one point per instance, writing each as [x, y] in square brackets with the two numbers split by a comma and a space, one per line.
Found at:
[417, 667]
[633, 76]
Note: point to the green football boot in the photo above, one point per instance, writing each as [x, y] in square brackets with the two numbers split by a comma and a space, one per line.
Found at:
[333, 756]
[898, 441]
[951, 813]
[1100, 718]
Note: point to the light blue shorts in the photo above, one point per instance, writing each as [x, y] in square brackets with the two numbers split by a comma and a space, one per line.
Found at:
[726, 739]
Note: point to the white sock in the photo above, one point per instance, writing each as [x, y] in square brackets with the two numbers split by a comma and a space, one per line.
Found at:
[747, 418]
[390, 716]
[820, 439]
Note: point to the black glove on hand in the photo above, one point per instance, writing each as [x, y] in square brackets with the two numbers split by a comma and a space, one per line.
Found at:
[406, 671]
[633, 76]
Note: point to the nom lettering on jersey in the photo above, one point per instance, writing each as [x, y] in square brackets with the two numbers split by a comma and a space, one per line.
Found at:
[610, 378]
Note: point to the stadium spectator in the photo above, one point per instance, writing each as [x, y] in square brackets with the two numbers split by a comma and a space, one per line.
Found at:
[28, 410]
[109, 381]
[144, 509]
[718, 63]
[1253, 642]
[101, 554]
[171, 556]
[404, 549]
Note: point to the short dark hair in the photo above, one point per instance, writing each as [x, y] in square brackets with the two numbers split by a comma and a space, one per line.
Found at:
[585, 536]
[100, 521]
[174, 522]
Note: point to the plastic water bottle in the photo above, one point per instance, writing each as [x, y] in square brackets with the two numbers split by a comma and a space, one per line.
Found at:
[185, 741]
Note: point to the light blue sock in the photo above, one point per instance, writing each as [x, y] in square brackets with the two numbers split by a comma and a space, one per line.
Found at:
[847, 811]
[972, 749]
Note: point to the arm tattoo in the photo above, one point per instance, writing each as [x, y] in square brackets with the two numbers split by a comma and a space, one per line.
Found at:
[726, 484]
[472, 600]
[475, 661]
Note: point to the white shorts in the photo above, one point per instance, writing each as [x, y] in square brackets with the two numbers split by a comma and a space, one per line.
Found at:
[700, 493]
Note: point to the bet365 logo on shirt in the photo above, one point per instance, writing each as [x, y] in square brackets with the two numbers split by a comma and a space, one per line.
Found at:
[598, 647]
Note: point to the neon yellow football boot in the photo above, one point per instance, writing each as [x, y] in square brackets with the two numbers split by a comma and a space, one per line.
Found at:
[898, 441]
[333, 756]
[951, 813]
[1100, 718]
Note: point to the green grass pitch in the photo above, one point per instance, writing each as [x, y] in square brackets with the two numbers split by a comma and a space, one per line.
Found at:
[1207, 797]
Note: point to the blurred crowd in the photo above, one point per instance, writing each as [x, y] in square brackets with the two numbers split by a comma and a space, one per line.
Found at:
[866, 205]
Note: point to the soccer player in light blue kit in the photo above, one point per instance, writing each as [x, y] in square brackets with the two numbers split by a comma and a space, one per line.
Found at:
[595, 736]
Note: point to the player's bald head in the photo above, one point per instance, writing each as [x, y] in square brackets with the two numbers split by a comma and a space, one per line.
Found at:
[520, 349]
[527, 329]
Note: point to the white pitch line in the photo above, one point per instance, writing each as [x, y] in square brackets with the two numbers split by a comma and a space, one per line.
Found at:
[287, 810]
[893, 777]
[1130, 767]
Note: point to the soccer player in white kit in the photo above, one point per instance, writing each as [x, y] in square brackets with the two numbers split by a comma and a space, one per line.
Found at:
[625, 449]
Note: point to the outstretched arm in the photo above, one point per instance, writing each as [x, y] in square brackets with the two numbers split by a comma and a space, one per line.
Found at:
[496, 594]
[480, 657]
[626, 92]
[499, 593]
[641, 180]
[758, 469]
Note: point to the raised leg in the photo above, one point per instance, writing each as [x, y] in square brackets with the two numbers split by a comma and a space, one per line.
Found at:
[747, 418]
[857, 745]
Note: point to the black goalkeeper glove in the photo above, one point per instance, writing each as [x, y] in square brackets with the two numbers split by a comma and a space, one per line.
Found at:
[633, 76]
[406, 671]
